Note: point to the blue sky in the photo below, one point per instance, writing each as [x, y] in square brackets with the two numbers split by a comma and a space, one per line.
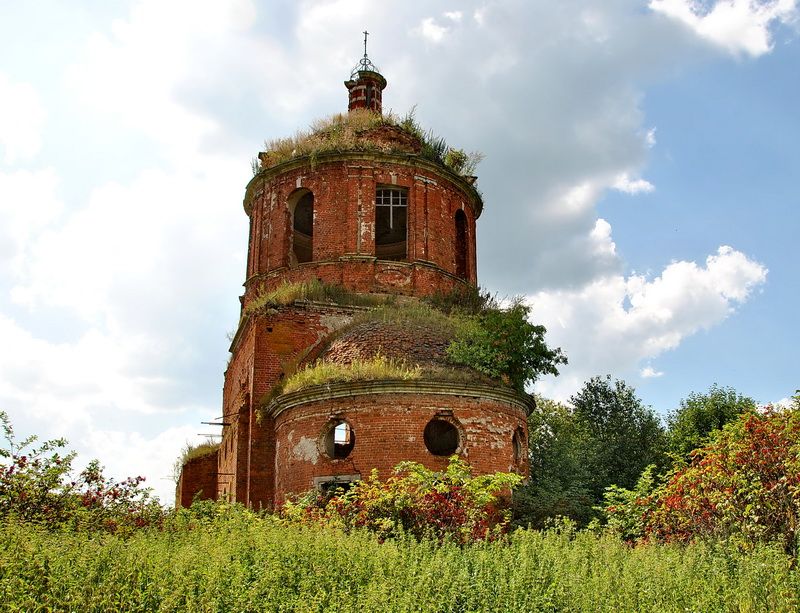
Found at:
[640, 187]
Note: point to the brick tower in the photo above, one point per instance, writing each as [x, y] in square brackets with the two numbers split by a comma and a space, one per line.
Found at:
[361, 208]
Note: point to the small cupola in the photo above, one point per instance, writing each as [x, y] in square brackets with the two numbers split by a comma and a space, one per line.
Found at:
[365, 85]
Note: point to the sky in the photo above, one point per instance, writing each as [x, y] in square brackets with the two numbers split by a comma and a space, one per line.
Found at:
[639, 181]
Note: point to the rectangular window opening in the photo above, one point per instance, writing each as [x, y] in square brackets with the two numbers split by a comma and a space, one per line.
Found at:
[391, 223]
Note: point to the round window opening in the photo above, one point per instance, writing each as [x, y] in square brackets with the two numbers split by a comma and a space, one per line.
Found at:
[441, 437]
[339, 440]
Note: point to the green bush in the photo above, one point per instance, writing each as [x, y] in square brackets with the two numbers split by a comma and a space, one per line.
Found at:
[743, 487]
[37, 486]
[452, 504]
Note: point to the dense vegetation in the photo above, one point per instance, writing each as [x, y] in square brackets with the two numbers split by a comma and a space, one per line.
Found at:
[235, 561]
[450, 505]
[712, 531]
[607, 437]
[742, 487]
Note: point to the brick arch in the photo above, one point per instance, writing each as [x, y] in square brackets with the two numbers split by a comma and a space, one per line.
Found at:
[301, 225]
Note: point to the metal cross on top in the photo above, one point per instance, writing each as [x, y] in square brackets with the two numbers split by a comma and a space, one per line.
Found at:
[364, 64]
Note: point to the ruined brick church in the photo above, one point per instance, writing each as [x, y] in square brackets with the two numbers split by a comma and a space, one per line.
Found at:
[377, 218]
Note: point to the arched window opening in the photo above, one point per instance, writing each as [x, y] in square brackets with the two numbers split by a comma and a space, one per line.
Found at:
[518, 443]
[339, 439]
[461, 244]
[391, 223]
[441, 437]
[303, 228]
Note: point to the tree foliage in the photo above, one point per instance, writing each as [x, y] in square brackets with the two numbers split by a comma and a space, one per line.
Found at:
[558, 484]
[699, 415]
[625, 436]
[743, 486]
[608, 437]
[502, 343]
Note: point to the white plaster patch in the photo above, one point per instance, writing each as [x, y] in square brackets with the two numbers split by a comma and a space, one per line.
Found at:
[368, 229]
[306, 450]
[497, 429]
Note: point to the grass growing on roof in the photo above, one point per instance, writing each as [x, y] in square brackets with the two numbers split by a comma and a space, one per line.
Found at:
[191, 452]
[351, 132]
[314, 291]
[410, 313]
[377, 367]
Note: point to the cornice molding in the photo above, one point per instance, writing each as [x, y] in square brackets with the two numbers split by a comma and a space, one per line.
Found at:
[330, 391]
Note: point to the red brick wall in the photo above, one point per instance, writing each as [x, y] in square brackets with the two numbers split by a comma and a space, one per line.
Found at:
[389, 429]
[236, 394]
[344, 225]
[261, 461]
[268, 347]
[198, 478]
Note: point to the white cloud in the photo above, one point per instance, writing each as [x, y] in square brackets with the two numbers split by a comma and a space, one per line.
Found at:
[625, 184]
[121, 239]
[737, 26]
[600, 236]
[648, 372]
[134, 72]
[612, 324]
[430, 30]
[22, 118]
[127, 453]
[28, 203]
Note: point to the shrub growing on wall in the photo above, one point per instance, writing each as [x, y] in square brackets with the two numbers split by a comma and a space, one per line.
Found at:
[504, 344]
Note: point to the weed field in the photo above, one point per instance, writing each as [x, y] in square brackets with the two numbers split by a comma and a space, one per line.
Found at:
[242, 562]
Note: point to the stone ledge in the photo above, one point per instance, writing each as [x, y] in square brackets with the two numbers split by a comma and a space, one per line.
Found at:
[356, 260]
[328, 391]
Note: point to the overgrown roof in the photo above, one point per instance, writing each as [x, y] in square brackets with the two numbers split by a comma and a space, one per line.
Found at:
[365, 130]
[192, 452]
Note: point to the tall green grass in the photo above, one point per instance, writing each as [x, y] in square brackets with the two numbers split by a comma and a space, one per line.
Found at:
[242, 563]
[376, 367]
